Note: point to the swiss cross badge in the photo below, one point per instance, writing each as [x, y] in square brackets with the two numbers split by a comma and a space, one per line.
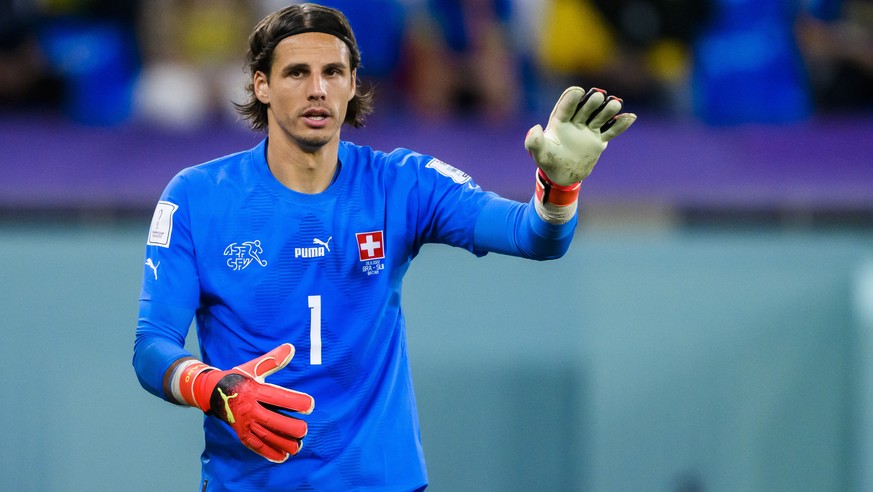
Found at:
[371, 245]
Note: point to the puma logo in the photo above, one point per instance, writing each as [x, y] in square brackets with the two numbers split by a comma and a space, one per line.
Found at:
[230, 419]
[323, 243]
[154, 267]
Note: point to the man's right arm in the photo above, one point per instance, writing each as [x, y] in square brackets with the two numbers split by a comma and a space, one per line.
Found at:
[239, 396]
[170, 290]
[159, 345]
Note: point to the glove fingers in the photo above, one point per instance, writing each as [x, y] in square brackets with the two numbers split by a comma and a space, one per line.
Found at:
[588, 105]
[567, 104]
[533, 141]
[603, 114]
[261, 367]
[254, 442]
[274, 421]
[282, 444]
[294, 401]
[617, 125]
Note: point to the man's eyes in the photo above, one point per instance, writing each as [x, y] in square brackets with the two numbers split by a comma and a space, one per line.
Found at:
[303, 73]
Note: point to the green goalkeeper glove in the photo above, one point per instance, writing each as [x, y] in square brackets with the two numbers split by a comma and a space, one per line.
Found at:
[578, 131]
[242, 399]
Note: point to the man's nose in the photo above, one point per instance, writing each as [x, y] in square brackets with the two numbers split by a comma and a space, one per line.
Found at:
[317, 87]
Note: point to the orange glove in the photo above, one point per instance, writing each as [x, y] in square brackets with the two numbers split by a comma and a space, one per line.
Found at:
[250, 406]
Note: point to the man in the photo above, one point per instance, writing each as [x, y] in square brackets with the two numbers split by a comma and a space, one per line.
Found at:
[303, 242]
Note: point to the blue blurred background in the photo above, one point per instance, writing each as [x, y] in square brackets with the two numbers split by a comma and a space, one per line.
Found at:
[708, 330]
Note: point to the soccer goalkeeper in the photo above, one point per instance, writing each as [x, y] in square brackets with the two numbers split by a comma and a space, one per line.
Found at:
[290, 256]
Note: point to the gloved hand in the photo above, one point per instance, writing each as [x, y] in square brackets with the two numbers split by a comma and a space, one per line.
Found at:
[578, 130]
[251, 407]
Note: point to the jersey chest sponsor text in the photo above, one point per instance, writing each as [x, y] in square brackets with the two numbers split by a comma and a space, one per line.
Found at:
[319, 249]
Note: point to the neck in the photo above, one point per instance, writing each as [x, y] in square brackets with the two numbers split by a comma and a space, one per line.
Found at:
[300, 170]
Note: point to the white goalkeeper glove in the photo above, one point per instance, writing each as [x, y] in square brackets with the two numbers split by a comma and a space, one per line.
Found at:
[579, 129]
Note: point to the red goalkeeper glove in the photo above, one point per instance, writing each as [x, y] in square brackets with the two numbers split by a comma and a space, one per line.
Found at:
[250, 406]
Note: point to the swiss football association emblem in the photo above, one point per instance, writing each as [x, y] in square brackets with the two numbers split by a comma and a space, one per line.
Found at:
[371, 245]
[241, 255]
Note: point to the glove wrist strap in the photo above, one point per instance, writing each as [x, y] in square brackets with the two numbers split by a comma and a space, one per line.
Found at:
[184, 386]
[555, 194]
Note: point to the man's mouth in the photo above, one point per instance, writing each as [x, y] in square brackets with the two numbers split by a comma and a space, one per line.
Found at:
[316, 114]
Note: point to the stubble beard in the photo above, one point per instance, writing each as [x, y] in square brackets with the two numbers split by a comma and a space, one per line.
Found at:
[312, 143]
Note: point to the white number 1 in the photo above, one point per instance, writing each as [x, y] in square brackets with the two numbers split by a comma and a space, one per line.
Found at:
[315, 330]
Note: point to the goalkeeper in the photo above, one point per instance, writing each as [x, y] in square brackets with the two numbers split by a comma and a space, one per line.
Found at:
[290, 256]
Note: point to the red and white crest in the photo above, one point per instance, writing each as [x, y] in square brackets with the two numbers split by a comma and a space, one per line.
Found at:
[371, 245]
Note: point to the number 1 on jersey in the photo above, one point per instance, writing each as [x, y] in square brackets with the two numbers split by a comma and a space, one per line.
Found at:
[315, 330]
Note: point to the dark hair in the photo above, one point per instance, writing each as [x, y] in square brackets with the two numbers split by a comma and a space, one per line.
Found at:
[291, 20]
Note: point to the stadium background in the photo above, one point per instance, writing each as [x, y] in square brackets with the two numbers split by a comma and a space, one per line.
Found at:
[709, 329]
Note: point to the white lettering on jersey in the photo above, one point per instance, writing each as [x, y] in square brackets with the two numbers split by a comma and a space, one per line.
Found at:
[308, 252]
[315, 251]
[162, 224]
[448, 171]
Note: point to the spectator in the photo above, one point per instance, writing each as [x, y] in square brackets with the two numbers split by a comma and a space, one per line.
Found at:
[80, 56]
[641, 47]
[193, 67]
[747, 65]
[461, 59]
[26, 78]
[836, 39]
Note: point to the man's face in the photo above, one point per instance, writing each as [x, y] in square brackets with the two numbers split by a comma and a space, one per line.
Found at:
[308, 89]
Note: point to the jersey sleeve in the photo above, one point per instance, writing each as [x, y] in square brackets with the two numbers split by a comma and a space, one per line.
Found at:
[514, 228]
[170, 289]
[454, 210]
[445, 199]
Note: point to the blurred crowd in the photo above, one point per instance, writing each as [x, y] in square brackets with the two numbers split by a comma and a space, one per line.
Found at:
[180, 62]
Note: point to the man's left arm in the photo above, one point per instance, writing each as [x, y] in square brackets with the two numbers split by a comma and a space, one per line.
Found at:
[578, 131]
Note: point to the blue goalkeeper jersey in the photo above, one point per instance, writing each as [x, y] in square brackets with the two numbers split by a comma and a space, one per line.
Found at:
[258, 264]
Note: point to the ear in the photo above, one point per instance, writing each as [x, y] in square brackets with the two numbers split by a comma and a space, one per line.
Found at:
[353, 81]
[261, 86]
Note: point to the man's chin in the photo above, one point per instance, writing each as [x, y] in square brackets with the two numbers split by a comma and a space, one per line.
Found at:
[312, 143]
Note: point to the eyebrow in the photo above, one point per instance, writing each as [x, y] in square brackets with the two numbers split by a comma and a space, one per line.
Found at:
[307, 67]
